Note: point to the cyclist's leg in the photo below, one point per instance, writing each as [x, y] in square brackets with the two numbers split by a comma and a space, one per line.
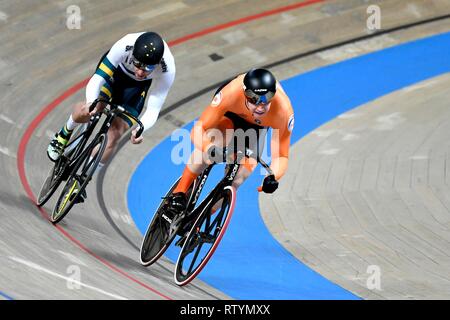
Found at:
[80, 112]
[79, 115]
[198, 160]
[248, 165]
[115, 132]
[58, 144]
[249, 162]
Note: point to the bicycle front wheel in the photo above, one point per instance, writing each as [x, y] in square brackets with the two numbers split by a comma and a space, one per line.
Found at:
[156, 240]
[79, 178]
[53, 180]
[204, 236]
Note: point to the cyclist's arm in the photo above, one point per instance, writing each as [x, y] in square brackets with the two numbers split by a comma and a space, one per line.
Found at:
[280, 144]
[156, 98]
[162, 82]
[209, 119]
[105, 71]
[93, 88]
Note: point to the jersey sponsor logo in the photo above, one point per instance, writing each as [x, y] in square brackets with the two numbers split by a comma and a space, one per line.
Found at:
[128, 48]
[217, 99]
[291, 123]
[163, 65]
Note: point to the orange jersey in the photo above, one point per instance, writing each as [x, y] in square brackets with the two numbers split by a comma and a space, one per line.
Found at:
[280, 116]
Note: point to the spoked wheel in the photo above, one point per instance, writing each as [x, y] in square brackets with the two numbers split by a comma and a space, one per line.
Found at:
[157, 238]
[78, 179]
[53, 180]
[58, 172]
[204, 237]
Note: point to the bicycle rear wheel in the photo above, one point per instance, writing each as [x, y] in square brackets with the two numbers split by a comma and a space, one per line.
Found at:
[204, 237]
[83, 170]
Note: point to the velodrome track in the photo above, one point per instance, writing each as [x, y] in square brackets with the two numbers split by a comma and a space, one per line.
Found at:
[41, 60]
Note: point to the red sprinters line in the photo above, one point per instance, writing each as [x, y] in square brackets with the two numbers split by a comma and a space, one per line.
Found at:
[74, 89]
[30, 129]
[21, 168]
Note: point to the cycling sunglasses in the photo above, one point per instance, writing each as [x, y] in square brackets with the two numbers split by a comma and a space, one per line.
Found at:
[257, 99]
[143, 66]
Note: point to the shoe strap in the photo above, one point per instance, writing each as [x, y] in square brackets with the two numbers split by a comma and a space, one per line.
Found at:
[61, 140]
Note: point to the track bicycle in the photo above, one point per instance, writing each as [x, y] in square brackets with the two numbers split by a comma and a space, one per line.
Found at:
[79, 160]
[200, 227]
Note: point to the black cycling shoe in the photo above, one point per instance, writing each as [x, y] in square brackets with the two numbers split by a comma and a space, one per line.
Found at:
[175, 205]
[172, 212]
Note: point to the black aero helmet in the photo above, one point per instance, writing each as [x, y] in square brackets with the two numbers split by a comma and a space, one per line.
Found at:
[148, 49]
[259, 86]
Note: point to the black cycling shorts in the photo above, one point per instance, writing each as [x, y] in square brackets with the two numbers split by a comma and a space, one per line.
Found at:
[126, 92]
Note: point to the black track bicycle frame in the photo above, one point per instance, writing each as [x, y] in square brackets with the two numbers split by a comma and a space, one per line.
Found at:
[232, 169]
[111, 114]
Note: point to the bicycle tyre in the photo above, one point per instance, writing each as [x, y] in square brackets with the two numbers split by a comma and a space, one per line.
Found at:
[151, 238]
[57, 215]
[181, 277]
[52, 182]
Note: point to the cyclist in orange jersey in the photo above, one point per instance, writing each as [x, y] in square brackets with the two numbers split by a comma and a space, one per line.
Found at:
[243, 109]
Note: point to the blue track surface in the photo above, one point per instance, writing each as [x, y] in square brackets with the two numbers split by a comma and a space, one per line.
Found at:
[250, 263]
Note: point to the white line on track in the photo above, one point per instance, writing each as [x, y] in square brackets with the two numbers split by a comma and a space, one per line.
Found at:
[389, 121]
[6, 152]
[350, 137]
[348, 115]
[72, 258]
[6, 119]
[421, 85]
[323, 133]
[3, 16]
[42, 269]
[419, 157]
[328, 152]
